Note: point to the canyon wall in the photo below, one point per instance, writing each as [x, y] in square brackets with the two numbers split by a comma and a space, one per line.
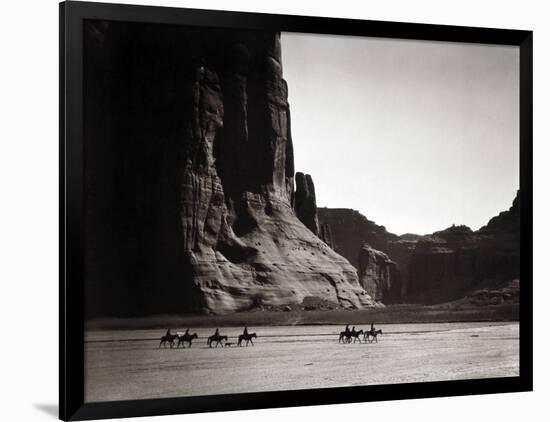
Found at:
[189, 177]
[379, 275]
[443, 266]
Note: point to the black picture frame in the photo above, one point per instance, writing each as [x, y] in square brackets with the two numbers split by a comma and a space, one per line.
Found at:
[71, 327]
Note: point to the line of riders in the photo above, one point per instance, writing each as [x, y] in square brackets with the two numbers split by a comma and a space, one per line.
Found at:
[215, 340]
[369, 336]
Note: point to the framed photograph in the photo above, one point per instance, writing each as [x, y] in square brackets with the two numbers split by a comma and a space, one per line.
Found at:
[266, 210]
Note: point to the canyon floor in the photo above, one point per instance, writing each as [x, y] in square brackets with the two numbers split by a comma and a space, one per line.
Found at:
[127, 364]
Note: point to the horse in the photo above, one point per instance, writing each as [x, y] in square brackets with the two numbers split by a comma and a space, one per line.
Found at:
[186, 338]
[217, 339]
[170, 338]
[355, 335]
[345, 337]
[247, 338]
[373, 334]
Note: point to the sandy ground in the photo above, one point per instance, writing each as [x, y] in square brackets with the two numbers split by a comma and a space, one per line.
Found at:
[122, 365]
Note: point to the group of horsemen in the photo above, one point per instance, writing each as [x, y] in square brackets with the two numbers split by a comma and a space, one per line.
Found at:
[215, 339]
[347, 335]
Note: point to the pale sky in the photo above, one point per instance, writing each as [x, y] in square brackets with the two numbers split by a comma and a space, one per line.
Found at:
[415, 135]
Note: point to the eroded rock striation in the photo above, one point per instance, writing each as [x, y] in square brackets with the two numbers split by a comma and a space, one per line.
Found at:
[191, 203]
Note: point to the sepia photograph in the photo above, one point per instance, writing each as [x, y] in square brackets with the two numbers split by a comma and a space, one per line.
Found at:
[269, 211]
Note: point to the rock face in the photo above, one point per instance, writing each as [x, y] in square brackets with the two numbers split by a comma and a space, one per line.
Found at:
[350, 229]
[190, 177]
[325, 234]
[379, 275]
[444, 266]
[305, 203]
[456, 261]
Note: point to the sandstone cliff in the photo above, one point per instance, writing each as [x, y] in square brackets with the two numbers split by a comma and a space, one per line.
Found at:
[305, 203]
[443, 266]
[453, 262]
[190, 177]
[349, 229]
[379, 275]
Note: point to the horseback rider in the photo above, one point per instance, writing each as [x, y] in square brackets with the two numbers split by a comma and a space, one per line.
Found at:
[372, 330]
[217, 333]
[347, 329]
[245, 332]
[187, 332]
[353, 329]
[168, 333]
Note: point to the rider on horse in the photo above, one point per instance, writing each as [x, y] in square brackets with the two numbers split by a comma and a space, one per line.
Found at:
[245, 332]
[372, 330]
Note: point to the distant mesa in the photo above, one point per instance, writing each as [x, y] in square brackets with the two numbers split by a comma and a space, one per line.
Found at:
[447, 265]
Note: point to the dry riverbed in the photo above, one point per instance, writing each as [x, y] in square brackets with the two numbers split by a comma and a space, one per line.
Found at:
[127, 364]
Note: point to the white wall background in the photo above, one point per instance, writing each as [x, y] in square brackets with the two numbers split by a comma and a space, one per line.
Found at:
[29, 207]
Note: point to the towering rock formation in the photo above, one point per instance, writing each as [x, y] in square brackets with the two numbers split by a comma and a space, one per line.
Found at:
[305, 203]
[379, 275]
[325, 234]
[190, 177]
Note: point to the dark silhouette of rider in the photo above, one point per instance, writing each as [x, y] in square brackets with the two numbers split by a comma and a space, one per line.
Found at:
[353, 329]
[347, 328]
[372, 327]
[217, 333]
[245, 332]
[187, 332]
[168, 333]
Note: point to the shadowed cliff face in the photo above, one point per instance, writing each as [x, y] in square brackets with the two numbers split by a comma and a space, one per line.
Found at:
[305, 203]
[446, 265]
[451, 263]
[379, 275]
[190, 177]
